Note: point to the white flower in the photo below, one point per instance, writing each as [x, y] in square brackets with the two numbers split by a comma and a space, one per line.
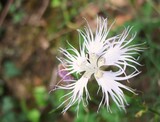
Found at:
[95, 52]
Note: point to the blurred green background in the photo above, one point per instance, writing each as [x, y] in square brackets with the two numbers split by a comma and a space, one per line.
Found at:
[31, 31]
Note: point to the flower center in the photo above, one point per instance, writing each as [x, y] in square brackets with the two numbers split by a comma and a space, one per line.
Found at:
[98, 74]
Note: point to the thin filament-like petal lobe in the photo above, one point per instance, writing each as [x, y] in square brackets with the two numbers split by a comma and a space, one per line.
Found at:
[77, 91]
[113, 88]
[96, 42]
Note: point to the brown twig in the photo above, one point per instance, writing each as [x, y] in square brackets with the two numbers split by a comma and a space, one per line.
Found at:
[5, 11]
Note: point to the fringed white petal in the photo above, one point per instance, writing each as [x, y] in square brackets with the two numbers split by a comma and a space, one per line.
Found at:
[96, 43]
[120, 54]
[112, 88]
[78, 88]
[74, 62]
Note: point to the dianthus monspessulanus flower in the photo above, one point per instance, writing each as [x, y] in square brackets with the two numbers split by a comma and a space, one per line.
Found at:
[97, 51]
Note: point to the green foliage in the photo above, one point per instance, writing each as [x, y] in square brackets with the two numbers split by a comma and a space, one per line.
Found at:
[115, 116]
[40, 95]
[1, 87]
[7, 104]
[84, 116]
[147, 10]
[0, 6]
[17, 15]
[8, 114]
[89, 117]
[55, 3]
[33, 115]
[11, 70]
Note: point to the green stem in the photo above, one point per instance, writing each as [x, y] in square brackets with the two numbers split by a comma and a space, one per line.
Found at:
[154, 111]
